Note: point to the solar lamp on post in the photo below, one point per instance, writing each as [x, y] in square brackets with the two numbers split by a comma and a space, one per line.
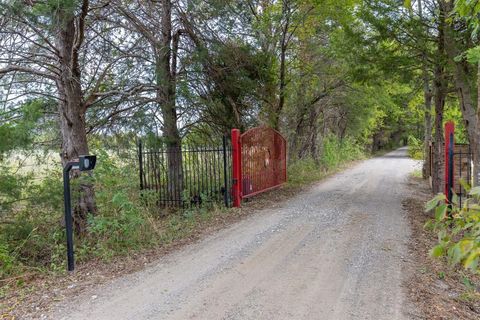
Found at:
[84, 163]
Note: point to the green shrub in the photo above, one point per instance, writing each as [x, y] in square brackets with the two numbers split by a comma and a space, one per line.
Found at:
[121, 228]
[32, 234]
[338, 151]
[304, 171]
[6, 260]
[458, 229]
[415, 148]
[335, 152]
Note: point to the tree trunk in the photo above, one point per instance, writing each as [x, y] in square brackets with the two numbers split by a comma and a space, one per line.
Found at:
[464, 75]
[71, 111]
[282, 86]
[438, 150]
[166, 98]
[427, 134]
[475, 146]
[275, 117]
[311, 142]
[439, 83]
[300, 120]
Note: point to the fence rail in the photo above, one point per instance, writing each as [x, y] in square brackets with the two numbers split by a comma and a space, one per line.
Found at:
[462, 170]
[460, 165]
[186, 176]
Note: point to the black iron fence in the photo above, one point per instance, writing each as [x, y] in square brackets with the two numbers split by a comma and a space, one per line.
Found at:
[186, 176]
[462, 162]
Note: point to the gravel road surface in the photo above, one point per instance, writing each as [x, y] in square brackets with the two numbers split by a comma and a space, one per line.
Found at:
[336, 251]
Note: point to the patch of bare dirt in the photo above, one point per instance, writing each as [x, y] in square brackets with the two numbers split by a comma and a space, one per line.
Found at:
[437, 289]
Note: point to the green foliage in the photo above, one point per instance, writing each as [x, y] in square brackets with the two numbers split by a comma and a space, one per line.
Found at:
[348, 73]
[417, 173]
[452, 113]
[458, 229]
[6, 261]
[32, 234]
[11, 188]
[304, 171]
[237, 76]
[468, 10]
[415, 148]
[124, 221]
[335, 153]
[18, 128]
[473, 55]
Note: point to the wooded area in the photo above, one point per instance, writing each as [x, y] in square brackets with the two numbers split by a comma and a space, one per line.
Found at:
[338, 78]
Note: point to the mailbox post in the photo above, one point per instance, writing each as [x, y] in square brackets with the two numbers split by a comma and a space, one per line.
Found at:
[84, 163]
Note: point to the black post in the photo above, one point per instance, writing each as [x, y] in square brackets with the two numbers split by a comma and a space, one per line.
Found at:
[140, 162]
[68, 215]
[225, 177]
[84, 163]
[450, 170]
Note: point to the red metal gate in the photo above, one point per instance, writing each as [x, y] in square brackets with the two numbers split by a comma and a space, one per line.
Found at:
[259, 162]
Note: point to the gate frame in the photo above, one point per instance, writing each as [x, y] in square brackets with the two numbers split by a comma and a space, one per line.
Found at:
[236, 168]
[449, 167]
[237, 190]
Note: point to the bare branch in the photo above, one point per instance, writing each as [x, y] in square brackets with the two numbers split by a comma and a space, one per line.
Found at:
[14, 68]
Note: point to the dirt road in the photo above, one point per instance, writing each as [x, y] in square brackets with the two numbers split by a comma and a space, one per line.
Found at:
[334, 252]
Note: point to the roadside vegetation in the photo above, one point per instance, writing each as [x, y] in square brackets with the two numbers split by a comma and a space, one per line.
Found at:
[435, 286]
[416, 148]
[335, 154]
[341, 80]
[458, 229]
[32, 235]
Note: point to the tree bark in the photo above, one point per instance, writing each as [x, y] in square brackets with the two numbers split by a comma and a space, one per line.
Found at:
[275, 117]
[427, 94]
[464, 75]
[439, 84]
[71, 109]
[427, 134]
[282, 86]
[438, 149]
[166, 83]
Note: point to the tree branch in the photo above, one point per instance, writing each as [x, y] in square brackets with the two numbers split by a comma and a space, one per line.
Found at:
[13, 68]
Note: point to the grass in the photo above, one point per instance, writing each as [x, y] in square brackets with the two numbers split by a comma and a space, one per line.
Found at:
[32, 237]
[336, 153]
[305, 171]
[417, 173]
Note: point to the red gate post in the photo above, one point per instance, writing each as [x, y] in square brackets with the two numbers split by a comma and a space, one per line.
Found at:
[236, 168]
[449, 148]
